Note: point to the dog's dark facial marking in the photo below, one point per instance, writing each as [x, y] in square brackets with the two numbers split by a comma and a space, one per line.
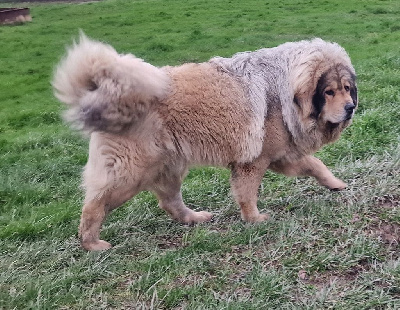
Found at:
[353, 94]
[318, 99]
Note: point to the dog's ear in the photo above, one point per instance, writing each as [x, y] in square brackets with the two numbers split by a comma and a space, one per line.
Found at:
[318, 99]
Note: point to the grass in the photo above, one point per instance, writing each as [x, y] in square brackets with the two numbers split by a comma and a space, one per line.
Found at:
[320, 250]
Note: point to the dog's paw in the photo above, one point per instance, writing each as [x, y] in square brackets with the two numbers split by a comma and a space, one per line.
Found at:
[261, 217]
[98, 245]
[197, 217]
[336, 185]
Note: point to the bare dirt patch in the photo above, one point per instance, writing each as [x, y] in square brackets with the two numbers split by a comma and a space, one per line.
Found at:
[380, 227]
[169, 242]
[386, 229]
[388, 201]
[328, 278]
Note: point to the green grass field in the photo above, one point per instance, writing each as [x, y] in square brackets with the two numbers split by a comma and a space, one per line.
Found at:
[320, 250]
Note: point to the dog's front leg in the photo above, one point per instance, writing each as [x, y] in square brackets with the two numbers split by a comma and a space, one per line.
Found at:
[245, 181]
[173, 204]
[310, 166]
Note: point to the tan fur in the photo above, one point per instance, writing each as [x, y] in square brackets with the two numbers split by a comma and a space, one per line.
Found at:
[269, 109]
[223, 125]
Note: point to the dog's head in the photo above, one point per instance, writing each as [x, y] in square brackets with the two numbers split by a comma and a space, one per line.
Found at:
[335, 98]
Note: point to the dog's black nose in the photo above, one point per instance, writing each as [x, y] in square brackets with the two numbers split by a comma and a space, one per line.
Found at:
[349, 107]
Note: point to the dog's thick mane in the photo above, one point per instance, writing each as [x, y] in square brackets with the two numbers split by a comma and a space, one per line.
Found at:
[287, 75]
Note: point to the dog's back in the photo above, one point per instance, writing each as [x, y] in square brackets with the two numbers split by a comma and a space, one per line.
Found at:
[210, 115]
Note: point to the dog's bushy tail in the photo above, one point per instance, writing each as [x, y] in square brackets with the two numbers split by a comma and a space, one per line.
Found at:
[106, 91]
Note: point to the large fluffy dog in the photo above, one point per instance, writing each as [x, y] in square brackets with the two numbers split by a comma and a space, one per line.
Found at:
[268, 109]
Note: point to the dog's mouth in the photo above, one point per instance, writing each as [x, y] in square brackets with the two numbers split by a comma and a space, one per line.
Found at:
[348, 118]
[343, 122]
[333, 125]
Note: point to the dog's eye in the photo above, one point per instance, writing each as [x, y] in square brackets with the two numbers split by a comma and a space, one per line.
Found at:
[347, 88]
[330, 92]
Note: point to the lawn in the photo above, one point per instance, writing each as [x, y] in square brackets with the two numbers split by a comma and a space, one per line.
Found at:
[319, 250]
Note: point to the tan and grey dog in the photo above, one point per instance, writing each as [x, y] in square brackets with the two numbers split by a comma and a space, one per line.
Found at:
[268, 109]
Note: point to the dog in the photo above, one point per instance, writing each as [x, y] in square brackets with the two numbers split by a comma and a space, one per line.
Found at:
[268, 109]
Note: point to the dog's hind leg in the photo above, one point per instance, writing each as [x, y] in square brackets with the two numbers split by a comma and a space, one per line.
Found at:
[310, 166]
[93, 215]
[168, 192]
[109, 182]
[245, 181]
[95, 210]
